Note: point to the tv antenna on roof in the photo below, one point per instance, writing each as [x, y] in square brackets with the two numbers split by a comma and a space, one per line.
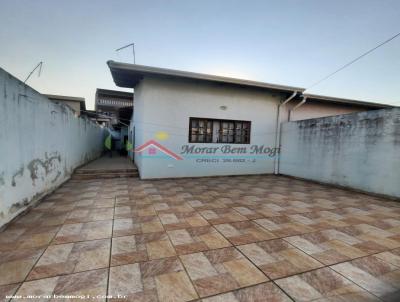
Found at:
[40, 71]
[133, 50]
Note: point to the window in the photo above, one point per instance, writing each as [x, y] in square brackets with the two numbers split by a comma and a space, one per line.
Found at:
[200, 130]
[203, 130]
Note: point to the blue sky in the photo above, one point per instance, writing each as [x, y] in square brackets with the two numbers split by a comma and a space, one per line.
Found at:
[287, 42]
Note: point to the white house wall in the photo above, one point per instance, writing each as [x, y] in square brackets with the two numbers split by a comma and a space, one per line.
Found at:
[166, 105]
[138, 138]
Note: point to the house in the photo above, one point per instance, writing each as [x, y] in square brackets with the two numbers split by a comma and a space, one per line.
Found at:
[77, 104]
[218, 125]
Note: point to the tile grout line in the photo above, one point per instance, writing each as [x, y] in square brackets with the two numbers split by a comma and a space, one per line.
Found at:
[359, 286]
[244, 287]
[177, 257]
[286, 293]
[329, 266]
[79, 241]
[33, 266]
[323, 265]
[344, 261]
[290, 275]
[110, 256]
[269, 279]
[45, 248]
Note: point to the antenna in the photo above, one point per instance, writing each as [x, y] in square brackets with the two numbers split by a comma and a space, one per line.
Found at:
[39, 73]
[133, 49]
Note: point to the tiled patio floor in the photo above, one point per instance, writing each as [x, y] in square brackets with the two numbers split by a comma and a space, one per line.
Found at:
[250, 238]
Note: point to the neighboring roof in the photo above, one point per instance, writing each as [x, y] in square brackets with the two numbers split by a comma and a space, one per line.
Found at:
[123, 94]
[323, 98]
[64, 98]
[61, 98]
[128, 75]
[113, 99]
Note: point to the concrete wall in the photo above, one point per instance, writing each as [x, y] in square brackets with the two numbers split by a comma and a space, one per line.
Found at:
[359, 150]
[75, 106]
[166, 105]
[41, 144]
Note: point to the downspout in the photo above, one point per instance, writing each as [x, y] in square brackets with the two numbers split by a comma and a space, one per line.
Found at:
[297, 106]
[278, 131]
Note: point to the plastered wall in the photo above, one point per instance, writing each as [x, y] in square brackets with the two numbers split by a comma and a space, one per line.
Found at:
[41, 143]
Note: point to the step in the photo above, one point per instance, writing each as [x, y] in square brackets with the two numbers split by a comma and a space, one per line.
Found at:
[93, 171]
[104, 175]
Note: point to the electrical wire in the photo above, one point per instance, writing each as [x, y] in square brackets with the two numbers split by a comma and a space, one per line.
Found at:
[354, 60]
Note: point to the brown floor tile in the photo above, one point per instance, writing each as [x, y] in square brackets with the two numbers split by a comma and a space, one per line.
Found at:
[278, 259]
[392, 257]
[248, 212]
[192, 240]
[15, 265]
[373, 274]
[14, 238]
[157, 245]
[202, 205]
[91, 283]
[72, 258]
[221, 270]
[134, 211]
[84, 231]
[8, 290]
[178, 220]
[86, 215]
[157, 280]
[283, 226]
[143, 247]
[323, 285]
[258, 293]
[30, 220]
[95, 203]
[243, 232]
[173, 206]
[387, 239]
[39, 218]
[328, 246]
[137, 225]
[55, 207]
[224, 215]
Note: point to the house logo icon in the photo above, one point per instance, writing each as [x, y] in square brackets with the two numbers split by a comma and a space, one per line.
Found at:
[152, 146]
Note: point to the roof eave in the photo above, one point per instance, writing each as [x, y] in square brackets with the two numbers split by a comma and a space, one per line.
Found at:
[135, 73]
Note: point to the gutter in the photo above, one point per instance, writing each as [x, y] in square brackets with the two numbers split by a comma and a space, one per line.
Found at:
[278, 131]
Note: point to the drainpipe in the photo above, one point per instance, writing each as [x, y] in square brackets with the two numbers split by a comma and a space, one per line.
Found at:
[297, 106]
[278, 131]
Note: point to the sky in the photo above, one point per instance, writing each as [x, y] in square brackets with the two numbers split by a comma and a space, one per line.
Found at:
[289, 42]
